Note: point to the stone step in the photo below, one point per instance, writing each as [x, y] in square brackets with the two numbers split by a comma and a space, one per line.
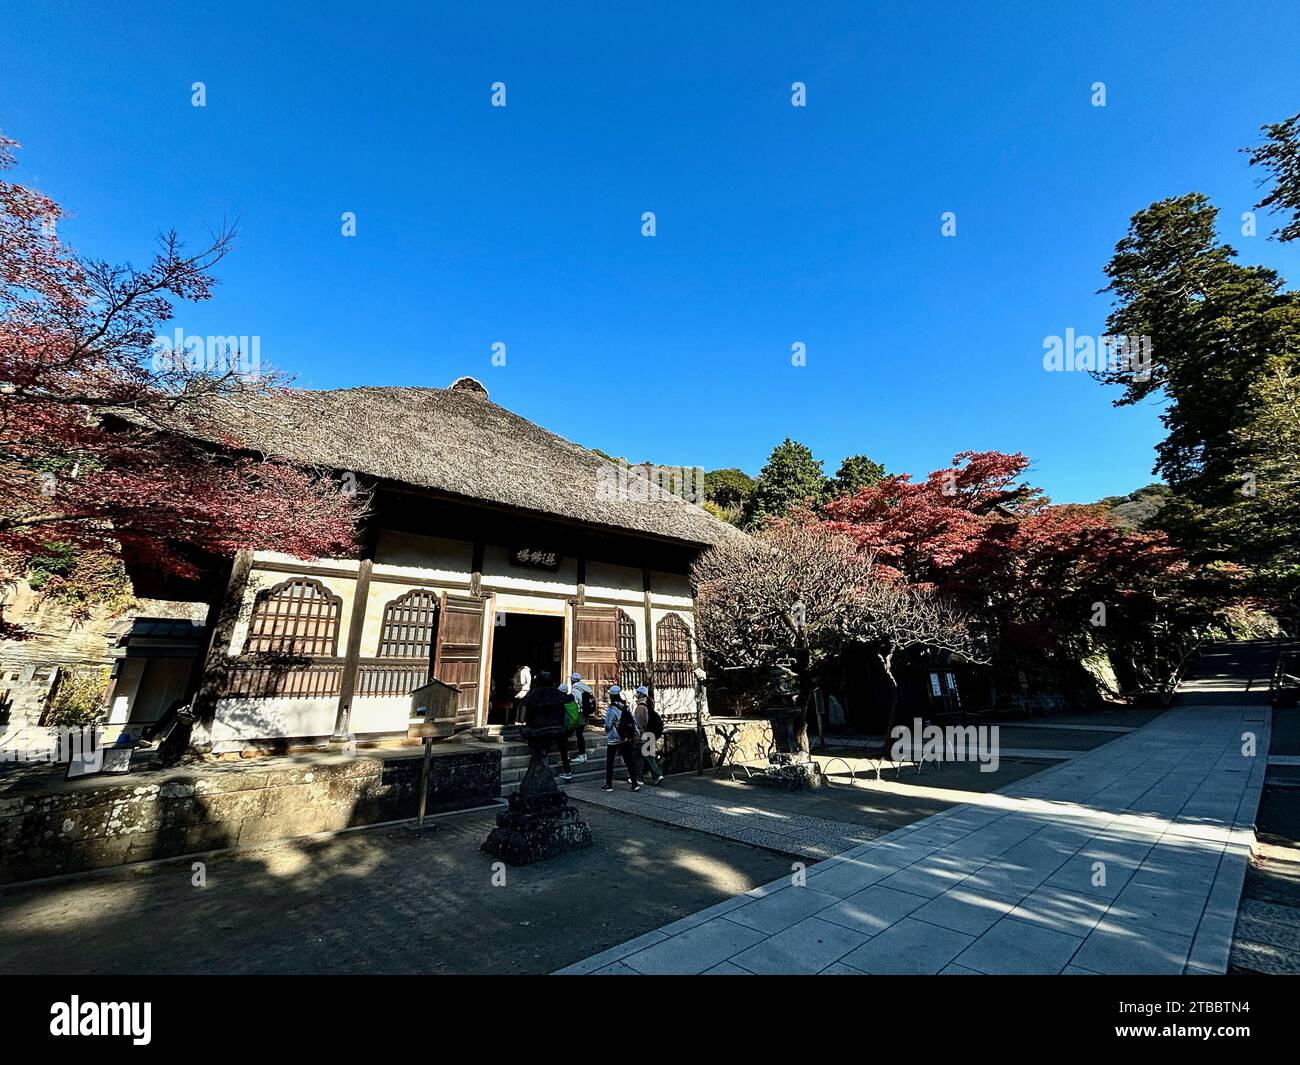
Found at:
[520, 761]
[515, 768]
[580, 774]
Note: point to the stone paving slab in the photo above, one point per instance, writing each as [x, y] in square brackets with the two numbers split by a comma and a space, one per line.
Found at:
[1128, 858]
[803, 835]
[1267, 939]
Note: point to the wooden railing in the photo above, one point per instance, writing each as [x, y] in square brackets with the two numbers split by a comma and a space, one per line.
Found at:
[264, 678]
[267, 677]
[320, 678]
[378, 676]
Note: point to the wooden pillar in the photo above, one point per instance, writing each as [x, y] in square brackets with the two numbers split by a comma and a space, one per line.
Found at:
[649, 630]
[348, 684]
[571, 619]
[222, 618]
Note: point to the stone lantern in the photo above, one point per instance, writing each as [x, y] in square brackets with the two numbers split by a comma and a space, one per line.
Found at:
[540, 824]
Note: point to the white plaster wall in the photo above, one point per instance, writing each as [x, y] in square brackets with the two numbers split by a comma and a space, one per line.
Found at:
[429, 557]
[501, 573]
[621, 583]
[390, 713]
[670, 590]
[239, 720]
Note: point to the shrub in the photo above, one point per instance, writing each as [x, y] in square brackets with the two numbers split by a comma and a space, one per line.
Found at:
[78, 700]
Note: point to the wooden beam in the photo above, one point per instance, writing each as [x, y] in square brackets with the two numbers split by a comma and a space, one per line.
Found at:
[353, 652]
[476, 577]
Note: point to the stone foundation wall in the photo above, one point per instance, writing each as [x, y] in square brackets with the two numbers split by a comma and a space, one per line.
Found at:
[751, 742]
[90, 824]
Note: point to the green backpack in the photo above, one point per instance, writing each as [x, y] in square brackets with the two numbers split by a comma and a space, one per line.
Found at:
[571, 715]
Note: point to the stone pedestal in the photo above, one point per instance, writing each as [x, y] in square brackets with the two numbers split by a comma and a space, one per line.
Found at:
[789, 736]
[786, 772]
[540, 824]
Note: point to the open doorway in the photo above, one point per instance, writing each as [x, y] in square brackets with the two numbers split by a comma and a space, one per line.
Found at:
[530, 640]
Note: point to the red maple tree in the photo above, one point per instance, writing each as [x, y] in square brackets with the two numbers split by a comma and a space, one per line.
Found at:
[1039, 576]
[90, 457]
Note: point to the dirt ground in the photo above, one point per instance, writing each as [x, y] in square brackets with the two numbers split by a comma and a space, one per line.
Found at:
[378, 901]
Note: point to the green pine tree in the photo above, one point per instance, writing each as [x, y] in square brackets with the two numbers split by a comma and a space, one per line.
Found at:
[855, 473]
[791, 476]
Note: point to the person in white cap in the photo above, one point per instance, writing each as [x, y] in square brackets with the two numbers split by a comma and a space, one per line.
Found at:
[620, 737]
[586, 700]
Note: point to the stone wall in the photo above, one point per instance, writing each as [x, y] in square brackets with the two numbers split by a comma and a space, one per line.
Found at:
[751, 741]
[67, 827]
[60, 641]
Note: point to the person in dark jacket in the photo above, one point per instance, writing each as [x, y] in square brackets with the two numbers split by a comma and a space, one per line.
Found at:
[544, 708]
[651, 727]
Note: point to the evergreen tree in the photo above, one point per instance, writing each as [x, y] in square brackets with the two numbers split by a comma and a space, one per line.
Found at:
[1280, 156]
[1216, 328]
[726, 493]
[728, 488]
[856, 472]
[791, 477]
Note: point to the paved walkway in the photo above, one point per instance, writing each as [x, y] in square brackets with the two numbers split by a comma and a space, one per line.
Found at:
[1126, 859]
[741, 817]
[1056, 727]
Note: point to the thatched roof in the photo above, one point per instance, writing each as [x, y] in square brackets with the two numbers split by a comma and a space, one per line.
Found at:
[457, 442]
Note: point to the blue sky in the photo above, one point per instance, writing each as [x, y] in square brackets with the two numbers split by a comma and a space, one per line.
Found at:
[775, 224]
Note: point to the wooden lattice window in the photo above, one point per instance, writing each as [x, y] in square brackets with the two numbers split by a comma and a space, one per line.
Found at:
[298, 617]
[672, 640]
[410, 622]
[626, 638]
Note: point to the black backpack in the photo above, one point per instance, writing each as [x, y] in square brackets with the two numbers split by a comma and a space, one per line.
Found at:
[626, 724]
[588, 704]
[653, 722]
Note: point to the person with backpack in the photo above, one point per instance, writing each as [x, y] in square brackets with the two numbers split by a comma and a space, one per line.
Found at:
[545, 709]
[651, 726]
[572, 721]
[586, 700]
[620, 738]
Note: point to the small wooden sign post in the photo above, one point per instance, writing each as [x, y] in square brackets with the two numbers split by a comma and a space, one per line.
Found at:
[424, 780]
